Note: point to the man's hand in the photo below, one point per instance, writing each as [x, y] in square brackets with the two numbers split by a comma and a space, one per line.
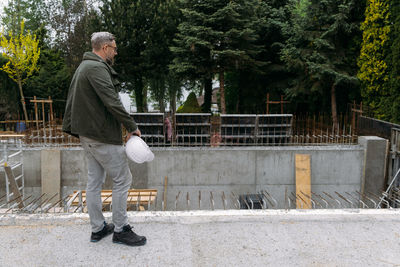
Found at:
[137, 132]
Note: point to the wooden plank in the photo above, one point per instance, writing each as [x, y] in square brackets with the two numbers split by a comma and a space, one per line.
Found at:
[13, 185]
[12, 135]
[143, 196]
[129, 191]
[142, 200]
[303, 181]
[41, 101]
[12, 121]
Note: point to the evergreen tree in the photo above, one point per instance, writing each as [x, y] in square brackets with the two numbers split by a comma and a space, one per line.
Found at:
[53, 79]
[192, 55]
[373, 73]
[247, 88]
[215, 37]
[165, 19]
[394, 63]
[191, 105]
[320, 49]
[8, 94]
[32, 11]
[130, 21]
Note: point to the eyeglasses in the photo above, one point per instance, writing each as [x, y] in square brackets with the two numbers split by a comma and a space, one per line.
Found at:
[113, 47]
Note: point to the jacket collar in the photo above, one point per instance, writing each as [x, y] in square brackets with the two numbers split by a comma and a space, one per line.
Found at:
[93, 56]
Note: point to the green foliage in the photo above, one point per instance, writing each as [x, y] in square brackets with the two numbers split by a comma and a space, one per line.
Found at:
[246, 89]
[22, 52]
[320, 51]
[129, 21]
[214, 37]
[190, 106]
[308, 50]
[393, 102]
[66, 21]
[165, 18]
[8, 94]
[32, 11]
[373, 73]
[53, 79]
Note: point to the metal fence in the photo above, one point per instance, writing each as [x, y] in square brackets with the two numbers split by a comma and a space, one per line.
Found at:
[371, 126]
[152, 127]
[203, 129]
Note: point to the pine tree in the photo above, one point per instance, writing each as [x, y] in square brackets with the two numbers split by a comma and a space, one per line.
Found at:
[215, 37]
[165, 19]
[192, 58]
[320, 49]
[247, 88]
[374, 73]
[129, 22]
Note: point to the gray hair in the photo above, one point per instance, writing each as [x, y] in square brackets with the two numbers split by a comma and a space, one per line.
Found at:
[100, 38]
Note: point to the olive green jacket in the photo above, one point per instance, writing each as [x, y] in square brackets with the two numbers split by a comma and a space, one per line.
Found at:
[94, 108]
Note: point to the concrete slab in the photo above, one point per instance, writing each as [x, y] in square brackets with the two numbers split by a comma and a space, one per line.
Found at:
[51, 172]
[206, 238]
[375, 158]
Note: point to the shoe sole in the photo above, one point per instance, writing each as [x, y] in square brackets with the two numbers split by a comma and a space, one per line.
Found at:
[141, 243]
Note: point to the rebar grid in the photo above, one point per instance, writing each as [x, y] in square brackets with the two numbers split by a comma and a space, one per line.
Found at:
[211, 200]
[194, 130]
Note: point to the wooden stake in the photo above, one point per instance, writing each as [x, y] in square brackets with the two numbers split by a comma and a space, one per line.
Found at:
[51, 111]
[36, 114]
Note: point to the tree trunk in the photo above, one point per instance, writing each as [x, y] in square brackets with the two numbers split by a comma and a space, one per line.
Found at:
[238, 96]
[222, 91]
[207, 95]
[172, 107]
[161, 105]
[23, 102]
[172, 102]
[139, 94]
[333, 105]
[160, 87]
[145, 107]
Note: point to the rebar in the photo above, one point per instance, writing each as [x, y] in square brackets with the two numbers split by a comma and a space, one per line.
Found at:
[260, 200]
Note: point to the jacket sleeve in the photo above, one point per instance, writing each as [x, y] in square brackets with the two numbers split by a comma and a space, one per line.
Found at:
[100, 80]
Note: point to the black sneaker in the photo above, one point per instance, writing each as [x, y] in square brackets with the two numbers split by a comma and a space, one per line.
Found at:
[128, 237]
[107, 229]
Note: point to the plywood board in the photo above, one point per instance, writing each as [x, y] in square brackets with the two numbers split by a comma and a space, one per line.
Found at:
[303, 181]
[143, 196]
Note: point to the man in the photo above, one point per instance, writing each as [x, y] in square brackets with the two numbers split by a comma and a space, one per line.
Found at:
[94, 113]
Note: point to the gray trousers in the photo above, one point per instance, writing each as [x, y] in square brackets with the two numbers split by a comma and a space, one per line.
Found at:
[104, 158]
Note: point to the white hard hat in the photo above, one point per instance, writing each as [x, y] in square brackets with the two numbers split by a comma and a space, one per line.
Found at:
[137, 150]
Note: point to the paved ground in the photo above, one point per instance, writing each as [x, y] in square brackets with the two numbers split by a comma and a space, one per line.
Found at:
[210, 238]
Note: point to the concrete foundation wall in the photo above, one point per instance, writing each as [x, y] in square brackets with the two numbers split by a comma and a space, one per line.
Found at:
[238, 170]
[250, 170]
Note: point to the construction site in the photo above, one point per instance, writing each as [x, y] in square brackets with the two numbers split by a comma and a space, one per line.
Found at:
[268, 189]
